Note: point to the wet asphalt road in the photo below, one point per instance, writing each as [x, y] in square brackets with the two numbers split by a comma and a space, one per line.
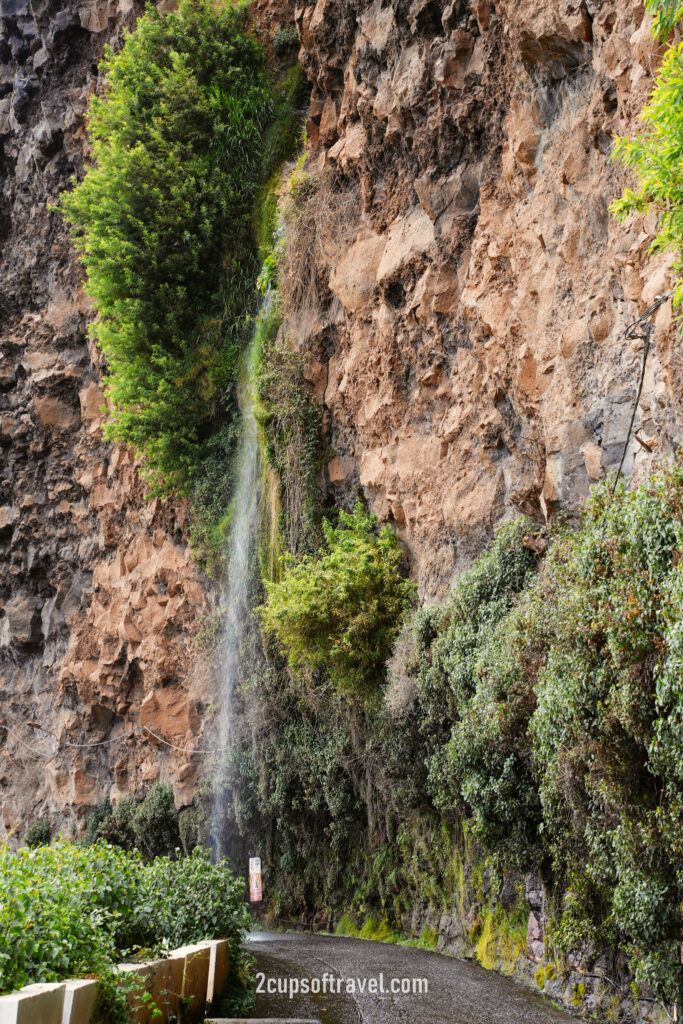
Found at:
[458, 992]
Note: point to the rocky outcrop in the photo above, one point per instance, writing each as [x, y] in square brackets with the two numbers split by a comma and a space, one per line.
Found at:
[472, 354]
[99, 600]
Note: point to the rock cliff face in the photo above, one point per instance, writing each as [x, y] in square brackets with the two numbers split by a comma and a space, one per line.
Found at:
[99, 601]
[471, 356]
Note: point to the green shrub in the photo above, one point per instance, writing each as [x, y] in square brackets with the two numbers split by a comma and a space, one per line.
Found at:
[339, 610]
[39, 832]
[555, 704]
[155, 823]
[192, 826]
[666, 14]
[196, 899]
[95, 820]
[606, 730]
[285, 39]
[473, 701]
[163, 222]
[119, 826]
[62, 910]
[68, 910]
[150, 826]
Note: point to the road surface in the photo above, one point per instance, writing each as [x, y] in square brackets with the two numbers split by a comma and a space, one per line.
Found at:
[357, 982]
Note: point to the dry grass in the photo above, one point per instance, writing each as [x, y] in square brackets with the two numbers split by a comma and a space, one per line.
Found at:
[402, 672]
[321, 221]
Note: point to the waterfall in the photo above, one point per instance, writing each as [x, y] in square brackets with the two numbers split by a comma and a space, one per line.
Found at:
[234, 602]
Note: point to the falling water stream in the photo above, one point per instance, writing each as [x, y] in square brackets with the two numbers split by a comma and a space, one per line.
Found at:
[235, 596]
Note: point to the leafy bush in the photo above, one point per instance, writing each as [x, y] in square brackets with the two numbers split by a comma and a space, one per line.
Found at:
[68, 910]
[554, 706]
[472, 691]
[150, 826]
[666, 14]
[339, 610]
[118, 827]
[606, 731]
[163, 223]
[64, 910]
[95, 820]
[39, 832]
[156, 823]
[196, 899]
[285, 38]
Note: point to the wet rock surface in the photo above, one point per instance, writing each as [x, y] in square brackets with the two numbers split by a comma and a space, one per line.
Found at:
[458, 992]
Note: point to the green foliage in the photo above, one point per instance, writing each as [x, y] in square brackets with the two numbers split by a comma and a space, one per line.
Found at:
[196, 899]
[346, 928]
[339, 610]
[473, 696]
[163, 223]
[192, 826]
[606, 728]
[39, 832]
[63, 911]
[655, 153]
[150, 826]
[156, 823]
[118, 827]
[543, 726]
[95, 819]
[666, 15]
[282, 139]
[239, 997]
[550, 710]
[69, 910]
[285, 39]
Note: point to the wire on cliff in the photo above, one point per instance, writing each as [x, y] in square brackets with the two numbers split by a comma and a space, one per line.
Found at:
[631, 333]
[101, 743]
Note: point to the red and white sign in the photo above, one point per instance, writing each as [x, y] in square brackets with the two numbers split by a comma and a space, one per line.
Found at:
[255, 883]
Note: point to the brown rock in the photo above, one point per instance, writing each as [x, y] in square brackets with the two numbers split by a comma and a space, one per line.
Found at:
[407, 237]
[171, 714]
[354, 279]
[8, 517]
[54, 413]
[92, 403]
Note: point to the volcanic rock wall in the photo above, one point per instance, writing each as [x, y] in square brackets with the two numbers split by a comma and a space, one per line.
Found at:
[99, 601]
[471, 357]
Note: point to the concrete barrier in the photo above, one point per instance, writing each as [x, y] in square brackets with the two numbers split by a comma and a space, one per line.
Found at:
[197, 973]
[219, 968]
[34, 1004]
[80, 999]
[156, 984]
[195, 978]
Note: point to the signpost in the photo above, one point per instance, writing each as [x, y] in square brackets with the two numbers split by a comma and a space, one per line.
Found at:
[255, 883]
